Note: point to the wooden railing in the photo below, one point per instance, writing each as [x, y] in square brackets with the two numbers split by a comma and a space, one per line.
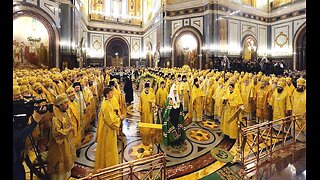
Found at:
[152, 167]
[259, 142]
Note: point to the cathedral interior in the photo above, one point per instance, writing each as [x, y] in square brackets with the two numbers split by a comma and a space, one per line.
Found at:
[152, 36]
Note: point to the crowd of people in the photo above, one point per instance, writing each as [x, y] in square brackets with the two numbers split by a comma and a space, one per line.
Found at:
[267, 66]
[174, 94]
[74, 94]
[220, 94]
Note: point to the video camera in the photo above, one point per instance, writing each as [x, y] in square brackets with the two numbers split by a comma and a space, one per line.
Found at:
[23, 109]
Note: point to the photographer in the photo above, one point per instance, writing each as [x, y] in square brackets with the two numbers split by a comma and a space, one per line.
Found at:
[19, 136]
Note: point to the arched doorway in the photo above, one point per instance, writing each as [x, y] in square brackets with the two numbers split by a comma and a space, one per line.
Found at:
[249, 48]
[117, 52]
[35, 38]
[187, 44]
[300, 49]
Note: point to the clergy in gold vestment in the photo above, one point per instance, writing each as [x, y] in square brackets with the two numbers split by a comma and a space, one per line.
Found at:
[219, 91]
[196, 102]
[93, 100]
[169, 83]
[262, 97]
[298, 100]
[288, 86]
[61, 153]
[247, 94]
[40, 92]
[48, 89]
[55, 86]
[107, 79]
[44, 125]
[161, 95]
[115, 98]
[60, 86]
[88, 98]
[118, 102]
[146, 108]
[280, 102]
[79, 99]
[232, 101]
[100, 85]
[32, 81]
[178, 83]
[108, 127]
[185, 93]
[209, 104]
[74, 113]
[120, 98]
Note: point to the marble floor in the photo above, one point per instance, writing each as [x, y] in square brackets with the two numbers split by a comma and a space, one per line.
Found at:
[194, 156]
[289, 163]
[194, 160]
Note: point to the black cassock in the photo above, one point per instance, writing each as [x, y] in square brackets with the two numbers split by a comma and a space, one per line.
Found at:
[128, 89]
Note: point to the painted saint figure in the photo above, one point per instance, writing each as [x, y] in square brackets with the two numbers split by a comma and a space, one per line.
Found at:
[43, 55]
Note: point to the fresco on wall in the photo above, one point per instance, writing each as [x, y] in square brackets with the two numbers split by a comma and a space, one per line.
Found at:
[186, 50]
[249, 2]
[30, 43]
[278, 3]
[249, 49]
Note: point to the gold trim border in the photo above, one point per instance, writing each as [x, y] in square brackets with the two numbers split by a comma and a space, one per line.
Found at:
[281, 34]
[208, 170]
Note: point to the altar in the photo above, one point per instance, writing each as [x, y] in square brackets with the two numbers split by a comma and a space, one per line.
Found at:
[117, 61]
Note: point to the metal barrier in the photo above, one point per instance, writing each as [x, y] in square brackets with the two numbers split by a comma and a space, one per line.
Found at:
[152, 167]
[259, 142]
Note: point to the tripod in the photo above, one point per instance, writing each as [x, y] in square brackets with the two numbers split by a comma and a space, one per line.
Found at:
[35, 168]
[22, 111]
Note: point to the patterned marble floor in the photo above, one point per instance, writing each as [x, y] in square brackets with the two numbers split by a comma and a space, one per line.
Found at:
[192, 161]
[195, 155]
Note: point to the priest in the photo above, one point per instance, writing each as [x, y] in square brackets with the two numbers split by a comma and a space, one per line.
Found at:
[173, 120]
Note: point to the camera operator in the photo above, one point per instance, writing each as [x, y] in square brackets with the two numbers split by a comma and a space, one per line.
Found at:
[19, 136]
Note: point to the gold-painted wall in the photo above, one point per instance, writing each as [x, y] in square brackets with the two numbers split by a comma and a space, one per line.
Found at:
[134, 7]
[250, 2]
[223, 33]
[178, 1]
[84, 7]
[96, 6]
[277, 3]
